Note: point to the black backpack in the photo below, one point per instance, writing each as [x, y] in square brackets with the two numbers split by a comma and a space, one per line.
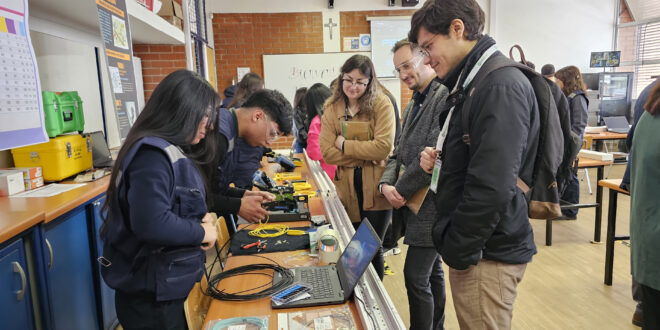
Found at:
[558, 145]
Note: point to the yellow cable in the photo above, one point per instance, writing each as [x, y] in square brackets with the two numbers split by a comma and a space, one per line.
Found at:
[262, 230]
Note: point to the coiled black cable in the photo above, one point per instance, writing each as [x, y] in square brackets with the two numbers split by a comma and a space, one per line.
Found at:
[254, 269]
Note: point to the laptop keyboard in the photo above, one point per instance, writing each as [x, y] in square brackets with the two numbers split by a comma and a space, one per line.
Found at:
[319, 278]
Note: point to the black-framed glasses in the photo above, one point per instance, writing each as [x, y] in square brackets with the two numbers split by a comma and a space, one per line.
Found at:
[357, 83]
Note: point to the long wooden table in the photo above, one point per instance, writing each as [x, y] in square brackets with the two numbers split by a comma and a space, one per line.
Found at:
[585, 163]
[18, 214]
[603, 136]
[611, 237]
[261, 307]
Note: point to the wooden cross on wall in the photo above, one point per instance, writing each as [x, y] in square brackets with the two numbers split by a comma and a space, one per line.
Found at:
[330, 25]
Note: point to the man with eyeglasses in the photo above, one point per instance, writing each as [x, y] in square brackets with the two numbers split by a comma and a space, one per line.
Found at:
[482, 231]
[403, 178]
[263, 117]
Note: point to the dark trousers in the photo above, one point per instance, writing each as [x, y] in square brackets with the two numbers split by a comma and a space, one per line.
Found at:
[651, 302]
[425, 284]
[143, 312]
[572, 195]
[379, 220]
[637, 296]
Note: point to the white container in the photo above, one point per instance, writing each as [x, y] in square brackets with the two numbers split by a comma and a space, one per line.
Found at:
[11, 182]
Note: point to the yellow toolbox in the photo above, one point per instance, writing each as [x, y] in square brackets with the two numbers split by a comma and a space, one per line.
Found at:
[60, 158]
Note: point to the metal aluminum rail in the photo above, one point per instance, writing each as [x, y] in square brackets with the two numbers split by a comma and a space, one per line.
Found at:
[375, 308]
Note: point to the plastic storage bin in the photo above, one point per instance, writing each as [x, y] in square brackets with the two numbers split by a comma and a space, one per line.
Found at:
[63, 113]
[59, 158]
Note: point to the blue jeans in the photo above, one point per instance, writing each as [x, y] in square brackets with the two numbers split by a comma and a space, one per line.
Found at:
[572, 195]
[425, 284]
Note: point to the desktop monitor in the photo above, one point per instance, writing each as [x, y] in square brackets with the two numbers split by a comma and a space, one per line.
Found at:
[605, 59]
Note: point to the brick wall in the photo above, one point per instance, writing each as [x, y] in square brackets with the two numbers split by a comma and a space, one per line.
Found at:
[157, 62]
[242, 39]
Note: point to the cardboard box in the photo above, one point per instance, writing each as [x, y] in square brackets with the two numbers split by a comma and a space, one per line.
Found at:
[33, 183]
[170, 8]
[174, 21]
[11, 182]
[28, 172]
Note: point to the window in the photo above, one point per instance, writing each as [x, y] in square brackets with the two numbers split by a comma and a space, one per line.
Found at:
[639, 42]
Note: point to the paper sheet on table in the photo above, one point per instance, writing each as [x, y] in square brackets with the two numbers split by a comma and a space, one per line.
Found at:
[49, 190]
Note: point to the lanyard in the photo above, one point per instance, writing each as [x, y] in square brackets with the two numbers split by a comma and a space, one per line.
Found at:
[445, 127]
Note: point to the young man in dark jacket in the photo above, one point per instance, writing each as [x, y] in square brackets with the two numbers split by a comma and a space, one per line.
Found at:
[482, 232]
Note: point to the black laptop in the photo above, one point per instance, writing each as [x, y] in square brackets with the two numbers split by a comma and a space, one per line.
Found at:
[334, 284]
[617, 124]
[101, 156]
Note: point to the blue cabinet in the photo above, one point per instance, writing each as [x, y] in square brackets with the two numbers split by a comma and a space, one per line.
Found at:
[106, 298]
[15, 301]
[67, 297]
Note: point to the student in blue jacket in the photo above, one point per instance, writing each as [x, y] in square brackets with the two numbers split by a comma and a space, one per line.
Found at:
[156, 224]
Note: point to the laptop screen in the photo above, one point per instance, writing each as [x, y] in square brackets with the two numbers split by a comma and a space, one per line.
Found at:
[616, 122]
[100, 152]
[357, 256]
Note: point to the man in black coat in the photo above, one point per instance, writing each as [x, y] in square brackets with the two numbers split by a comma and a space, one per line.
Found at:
[482, 232]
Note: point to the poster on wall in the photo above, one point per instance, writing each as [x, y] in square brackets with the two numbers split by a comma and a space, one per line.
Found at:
[116, 33]
[21, 108]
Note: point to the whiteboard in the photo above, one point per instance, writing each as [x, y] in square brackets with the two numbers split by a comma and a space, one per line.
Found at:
[384, 34]
[288, 72]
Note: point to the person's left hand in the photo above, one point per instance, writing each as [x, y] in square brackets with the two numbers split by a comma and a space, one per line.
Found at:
[268, 197]
[339, 141]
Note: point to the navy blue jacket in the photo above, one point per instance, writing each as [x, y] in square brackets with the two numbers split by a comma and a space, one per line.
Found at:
[242, 159]
[152, 236]
[481, 211]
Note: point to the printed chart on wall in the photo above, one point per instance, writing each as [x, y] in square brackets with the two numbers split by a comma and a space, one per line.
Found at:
[21, 114]
[113, 21]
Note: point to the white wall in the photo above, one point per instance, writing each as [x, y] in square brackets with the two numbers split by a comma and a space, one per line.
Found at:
[561, 32]
[297, 6]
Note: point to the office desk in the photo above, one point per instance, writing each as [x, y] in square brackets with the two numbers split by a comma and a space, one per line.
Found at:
[585, 163]
[613, 186]
[603, 136]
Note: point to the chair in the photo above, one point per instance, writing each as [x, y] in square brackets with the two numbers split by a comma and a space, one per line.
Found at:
[197, 304]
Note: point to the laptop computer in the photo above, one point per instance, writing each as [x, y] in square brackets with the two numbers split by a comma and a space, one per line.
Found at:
[617, 124]
[334, 284]
[101, 156]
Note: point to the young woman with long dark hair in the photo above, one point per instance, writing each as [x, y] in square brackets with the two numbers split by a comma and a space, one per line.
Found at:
[156, 225]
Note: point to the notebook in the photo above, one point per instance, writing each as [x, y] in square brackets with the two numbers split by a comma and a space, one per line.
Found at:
[334, 284]
[617, 124]
[101, 156]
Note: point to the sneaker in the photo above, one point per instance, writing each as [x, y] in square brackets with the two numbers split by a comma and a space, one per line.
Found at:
[636, 320]
[391, 252]
[387, 270]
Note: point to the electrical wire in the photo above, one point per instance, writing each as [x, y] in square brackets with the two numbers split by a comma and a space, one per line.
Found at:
[264, 230]
[254, 269]
[366, 310]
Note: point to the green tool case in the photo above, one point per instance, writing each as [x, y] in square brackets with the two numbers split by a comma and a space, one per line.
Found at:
[63, 113]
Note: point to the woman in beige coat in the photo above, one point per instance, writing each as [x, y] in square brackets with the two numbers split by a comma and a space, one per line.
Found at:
[357, 97]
